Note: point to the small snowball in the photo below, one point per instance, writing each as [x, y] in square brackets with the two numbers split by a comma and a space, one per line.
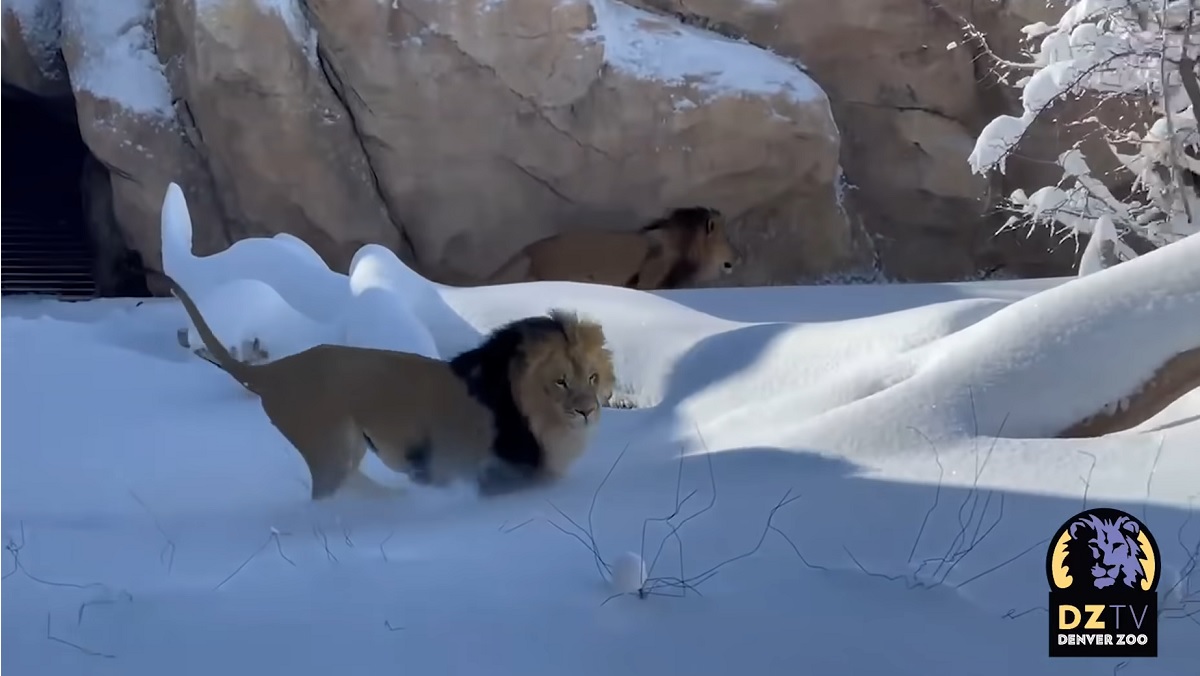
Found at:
[629, 573]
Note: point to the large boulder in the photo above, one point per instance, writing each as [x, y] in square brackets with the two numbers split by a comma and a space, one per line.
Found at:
[909, 102]
[454, 132]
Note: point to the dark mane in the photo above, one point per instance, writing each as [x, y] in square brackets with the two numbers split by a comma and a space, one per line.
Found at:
[486, 372]
[1080, 560]
[691, 218]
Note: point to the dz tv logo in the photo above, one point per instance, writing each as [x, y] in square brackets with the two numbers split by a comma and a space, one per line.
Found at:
[1103, 568]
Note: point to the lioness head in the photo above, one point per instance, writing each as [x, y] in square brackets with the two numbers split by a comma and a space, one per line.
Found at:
[701, 234]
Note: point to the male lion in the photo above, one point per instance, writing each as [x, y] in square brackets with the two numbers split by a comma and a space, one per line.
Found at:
[517, 410]
[686, 247]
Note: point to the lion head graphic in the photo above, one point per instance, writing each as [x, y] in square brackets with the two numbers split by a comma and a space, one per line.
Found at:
[1103, 549]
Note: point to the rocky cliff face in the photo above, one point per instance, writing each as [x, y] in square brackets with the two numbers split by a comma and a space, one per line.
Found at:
[833, 135]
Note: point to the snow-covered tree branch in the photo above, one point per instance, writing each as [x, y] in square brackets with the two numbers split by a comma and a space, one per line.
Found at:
[1142, 51]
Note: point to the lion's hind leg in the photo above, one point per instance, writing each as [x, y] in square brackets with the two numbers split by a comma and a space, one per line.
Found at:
[332, 446]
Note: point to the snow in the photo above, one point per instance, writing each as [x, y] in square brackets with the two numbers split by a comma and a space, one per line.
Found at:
[241, 311]
[1094, 257]
[40, 22]
[1104, 49]
[652, 47]
[284, 262]
[821, 450]
[117, 60]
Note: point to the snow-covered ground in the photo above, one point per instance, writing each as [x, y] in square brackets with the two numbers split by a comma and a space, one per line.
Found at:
[156, 523]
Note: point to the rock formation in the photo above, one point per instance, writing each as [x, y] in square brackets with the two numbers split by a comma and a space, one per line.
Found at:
[455, 132]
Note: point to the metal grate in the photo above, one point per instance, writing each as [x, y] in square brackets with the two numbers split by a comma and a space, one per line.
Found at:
[45, 256]
[44, 244]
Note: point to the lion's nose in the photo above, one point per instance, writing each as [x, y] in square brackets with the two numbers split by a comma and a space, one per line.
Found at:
[586, 412]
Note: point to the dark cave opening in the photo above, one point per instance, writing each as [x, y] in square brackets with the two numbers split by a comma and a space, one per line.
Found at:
[58, 231]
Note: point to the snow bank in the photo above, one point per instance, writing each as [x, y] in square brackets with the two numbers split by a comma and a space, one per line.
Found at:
[1034, 367]
[285, 264]
[384, 293]
[1060, 356]
[242, 311]
[170, 519]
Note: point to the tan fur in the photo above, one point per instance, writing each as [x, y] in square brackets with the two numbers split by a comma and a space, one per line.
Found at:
[686, 247]
[568, 377]
[420, 416]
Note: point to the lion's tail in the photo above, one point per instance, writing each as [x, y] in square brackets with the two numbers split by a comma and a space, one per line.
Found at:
[244, 373]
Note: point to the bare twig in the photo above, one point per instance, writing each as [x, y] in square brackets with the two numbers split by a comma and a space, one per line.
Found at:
[957, 550]
[86, 651]
[602, 566]
[1187, 598]
[652, 585]
[168, 550]
[124, 596]
[279, 545]
[674, 529]
[319, 533]
[383, 544]
[1012, 613]
[273, 536]
[937, 492]
[1162, 439]
[1087, 481]
[14, 550]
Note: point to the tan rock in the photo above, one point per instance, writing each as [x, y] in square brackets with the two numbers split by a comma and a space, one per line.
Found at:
[455, 132]
[126, 117]
[492, 124]
[906, 106]
[31, 59]
[280, 148]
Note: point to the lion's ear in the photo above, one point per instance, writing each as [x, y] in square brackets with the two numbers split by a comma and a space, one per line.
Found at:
[1076, 526]
[1131, 527]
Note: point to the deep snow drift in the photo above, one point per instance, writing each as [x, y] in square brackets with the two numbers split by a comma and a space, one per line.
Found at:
[156, 522]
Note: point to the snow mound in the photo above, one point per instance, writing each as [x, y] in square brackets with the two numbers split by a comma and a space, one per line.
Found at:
[170, 518]
[287, 264]
[242, 312]
[380, 315]
[381, 303]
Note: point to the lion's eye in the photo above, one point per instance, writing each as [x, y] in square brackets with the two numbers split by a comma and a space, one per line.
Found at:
[561, 382]
[593, 378]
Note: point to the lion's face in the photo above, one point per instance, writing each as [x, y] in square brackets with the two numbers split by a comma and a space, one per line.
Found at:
[568, 378]
[1113, 548]
[710, 248]
[577, 384]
